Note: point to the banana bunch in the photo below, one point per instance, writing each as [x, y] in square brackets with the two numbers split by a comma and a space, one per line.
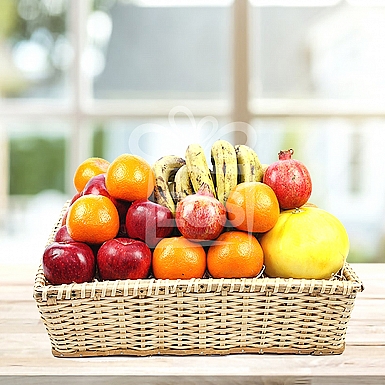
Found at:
[165, 170]
[175, 177]
[198, 169]
[224, 161]
[231, 165]
[249, 166]
[183, 185]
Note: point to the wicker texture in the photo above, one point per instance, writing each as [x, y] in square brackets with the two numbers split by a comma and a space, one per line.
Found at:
[197, 316]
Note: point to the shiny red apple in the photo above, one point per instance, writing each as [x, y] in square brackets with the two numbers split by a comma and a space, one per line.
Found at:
[64, 219]
[123, 258]
[75, 197]
[149, 221]
[64, 263]
[96, 186]
[62, 235]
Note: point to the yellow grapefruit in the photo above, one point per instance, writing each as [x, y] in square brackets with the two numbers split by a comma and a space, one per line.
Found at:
[305, 243]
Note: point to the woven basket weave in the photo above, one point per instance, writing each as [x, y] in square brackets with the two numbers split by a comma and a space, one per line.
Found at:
[197, 316]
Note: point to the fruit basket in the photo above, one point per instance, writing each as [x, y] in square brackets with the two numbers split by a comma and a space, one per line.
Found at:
[197, 316]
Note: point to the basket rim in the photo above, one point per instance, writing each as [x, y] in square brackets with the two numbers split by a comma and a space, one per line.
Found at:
[351, 284]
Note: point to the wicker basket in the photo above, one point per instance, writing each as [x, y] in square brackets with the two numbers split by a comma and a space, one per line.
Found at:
[197, 316]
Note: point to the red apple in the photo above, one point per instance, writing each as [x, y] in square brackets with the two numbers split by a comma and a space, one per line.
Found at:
[123, 258]
[62, 235]
[64, 219]
[122, 207]
[149, 221]
[76, 196]
[68, 262]
[97, 186]
[122, 233]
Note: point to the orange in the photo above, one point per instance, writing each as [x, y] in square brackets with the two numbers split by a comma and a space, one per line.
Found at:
[87, 169]
[178, 258]
[130, 177]
[92, 219]
[252, 207]
[235, 254]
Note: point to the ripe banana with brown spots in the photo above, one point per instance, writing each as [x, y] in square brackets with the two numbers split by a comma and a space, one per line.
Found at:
[183, 186]
[249, 166]
[164, 169]
[224, 160]
[171, 187]
[197, 168]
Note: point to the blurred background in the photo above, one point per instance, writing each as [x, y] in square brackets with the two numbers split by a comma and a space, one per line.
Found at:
[103, 77]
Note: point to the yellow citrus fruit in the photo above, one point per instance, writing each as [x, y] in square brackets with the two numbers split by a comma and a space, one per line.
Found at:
[92, 219]
[130, 177]
[305, 243]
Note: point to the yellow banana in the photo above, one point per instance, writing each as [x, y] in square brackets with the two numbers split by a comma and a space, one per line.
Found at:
[259, 171]
[171, 187]
[224, 160]
[197, 168]
[249, 165]
[183, 186]
[164, 169]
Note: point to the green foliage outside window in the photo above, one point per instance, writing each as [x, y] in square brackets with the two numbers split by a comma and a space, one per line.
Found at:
[36, 164]
[98, 143]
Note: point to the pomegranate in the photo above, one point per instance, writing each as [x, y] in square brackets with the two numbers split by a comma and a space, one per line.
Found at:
[290, 180]
[200, 216]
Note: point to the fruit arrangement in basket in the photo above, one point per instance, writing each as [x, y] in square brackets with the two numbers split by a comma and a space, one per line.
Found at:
[179, 219]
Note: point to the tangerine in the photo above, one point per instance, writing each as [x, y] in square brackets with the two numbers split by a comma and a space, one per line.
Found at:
[87, 169]
[92, 219]
[235, 254]
[130, 177]
[253, 207]
[178, 258]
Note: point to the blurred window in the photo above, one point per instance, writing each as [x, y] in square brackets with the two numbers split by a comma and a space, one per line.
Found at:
[101, 77]
[178, 52]
[35, 53]
[321, 51]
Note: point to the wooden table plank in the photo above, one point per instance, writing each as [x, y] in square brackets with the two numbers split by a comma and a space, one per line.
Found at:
[356, 360]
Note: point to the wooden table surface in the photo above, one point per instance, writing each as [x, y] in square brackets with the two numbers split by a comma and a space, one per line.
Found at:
[25, 348]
